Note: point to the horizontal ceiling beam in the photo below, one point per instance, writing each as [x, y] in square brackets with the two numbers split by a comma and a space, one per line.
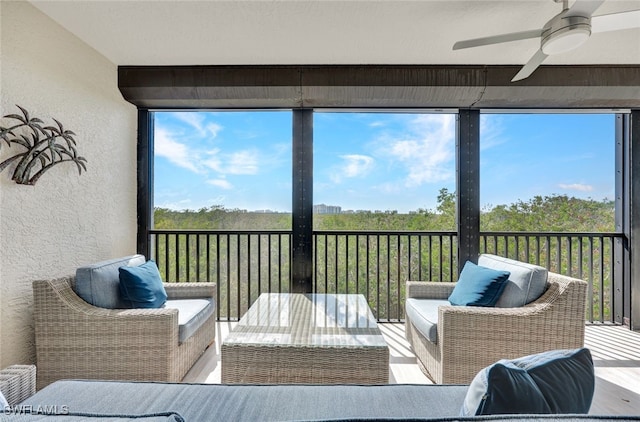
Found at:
[341, 86]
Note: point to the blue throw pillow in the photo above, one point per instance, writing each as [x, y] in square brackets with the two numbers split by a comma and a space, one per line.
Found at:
[559, 381]
[141, 286]
[478, 286]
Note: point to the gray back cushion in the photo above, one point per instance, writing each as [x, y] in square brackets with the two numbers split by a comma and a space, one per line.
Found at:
[526, 283]
[98, 284]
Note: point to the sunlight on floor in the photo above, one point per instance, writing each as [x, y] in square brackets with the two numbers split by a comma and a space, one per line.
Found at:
[615, 351]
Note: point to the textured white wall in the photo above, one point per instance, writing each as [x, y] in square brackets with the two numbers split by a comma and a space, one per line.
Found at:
[65, 220]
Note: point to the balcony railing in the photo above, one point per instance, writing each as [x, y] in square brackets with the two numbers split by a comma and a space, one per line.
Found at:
[374, 263]
[377, 264]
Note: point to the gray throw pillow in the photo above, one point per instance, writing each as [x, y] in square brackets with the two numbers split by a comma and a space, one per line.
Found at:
[98, 284]
[526, 283]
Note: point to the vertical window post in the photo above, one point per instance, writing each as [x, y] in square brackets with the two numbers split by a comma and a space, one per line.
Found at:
[633, 163]
[145, 180]
[302, 206]
[621, 267]
[468, 186]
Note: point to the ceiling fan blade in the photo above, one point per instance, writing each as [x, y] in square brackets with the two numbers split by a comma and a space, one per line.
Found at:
[497, 39]
[616, 21]
[584, 8]
[531, 65]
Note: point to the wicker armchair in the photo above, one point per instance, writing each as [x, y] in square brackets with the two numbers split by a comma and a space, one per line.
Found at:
[471, 338]
[77, 340]
[17, 383]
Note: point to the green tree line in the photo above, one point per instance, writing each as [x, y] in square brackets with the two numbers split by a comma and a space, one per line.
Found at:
[560, 213]
[379, 265]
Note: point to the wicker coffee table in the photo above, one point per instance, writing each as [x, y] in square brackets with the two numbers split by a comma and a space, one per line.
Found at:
[306, 339]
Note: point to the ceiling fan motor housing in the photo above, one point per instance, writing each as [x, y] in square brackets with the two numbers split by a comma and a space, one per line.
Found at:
[564, 33]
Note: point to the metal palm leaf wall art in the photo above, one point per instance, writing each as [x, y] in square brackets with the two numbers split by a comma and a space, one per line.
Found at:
[42, 147]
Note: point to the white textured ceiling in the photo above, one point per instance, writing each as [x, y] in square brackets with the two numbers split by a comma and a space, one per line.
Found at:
[212, 32]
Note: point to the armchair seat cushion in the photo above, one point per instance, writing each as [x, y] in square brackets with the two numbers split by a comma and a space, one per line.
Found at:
[423, 314]
[99, 284]
[192, 313]
[526, 283]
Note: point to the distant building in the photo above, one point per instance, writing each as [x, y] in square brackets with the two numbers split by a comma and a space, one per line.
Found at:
[326, 209]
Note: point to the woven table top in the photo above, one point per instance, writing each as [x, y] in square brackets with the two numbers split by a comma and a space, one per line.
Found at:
[312, 320]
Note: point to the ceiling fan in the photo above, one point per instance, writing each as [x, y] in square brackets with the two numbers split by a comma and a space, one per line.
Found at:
[565, 31]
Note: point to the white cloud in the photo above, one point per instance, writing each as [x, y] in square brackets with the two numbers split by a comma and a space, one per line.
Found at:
[491, 128]
[240, 162]
[175, 205]
[246, 162]
[357, 165]
[576, 186]
[243, 162]
[389, 188]
[353, 165]
[213, 160]
[198, 122]
[221, 183]
[579, 157]
[213, 129]
[192, 204]
[174, 151]
[426, 152]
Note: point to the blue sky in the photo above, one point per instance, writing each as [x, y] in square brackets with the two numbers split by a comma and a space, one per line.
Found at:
[376, 161]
